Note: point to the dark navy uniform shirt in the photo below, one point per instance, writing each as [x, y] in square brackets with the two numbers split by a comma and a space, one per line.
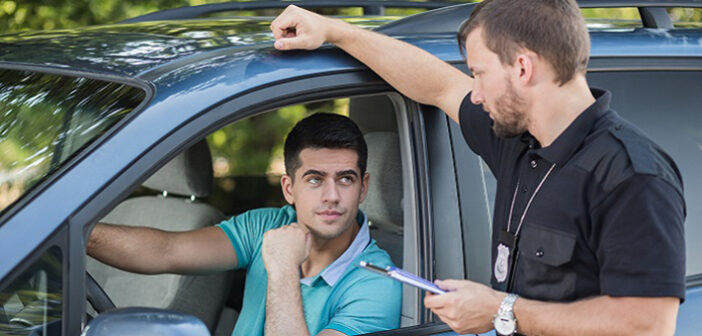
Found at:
[607, 221]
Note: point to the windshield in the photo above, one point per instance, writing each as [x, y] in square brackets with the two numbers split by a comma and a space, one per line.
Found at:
[46, 119]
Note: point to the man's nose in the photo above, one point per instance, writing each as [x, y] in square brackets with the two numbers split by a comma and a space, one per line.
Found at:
[330, 193]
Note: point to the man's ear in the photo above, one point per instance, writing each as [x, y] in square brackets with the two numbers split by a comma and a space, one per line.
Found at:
[524, 64]
[286, 184]
[364, 187]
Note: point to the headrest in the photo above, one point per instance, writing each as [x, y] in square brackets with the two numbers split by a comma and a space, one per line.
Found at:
[373, 114]
[188, 174]
[383, 203]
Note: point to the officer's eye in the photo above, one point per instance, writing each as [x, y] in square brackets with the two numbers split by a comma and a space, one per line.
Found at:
[314, 180]
[346, 180]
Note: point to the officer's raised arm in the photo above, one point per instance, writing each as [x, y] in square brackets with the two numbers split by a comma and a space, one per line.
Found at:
[411, 70]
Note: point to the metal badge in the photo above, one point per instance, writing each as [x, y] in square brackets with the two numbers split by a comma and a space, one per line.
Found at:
[502, 263]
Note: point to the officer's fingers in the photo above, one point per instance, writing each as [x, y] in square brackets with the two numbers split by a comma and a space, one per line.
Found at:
[284, 24]
[434, 301]
[297, 42]
[451, 284]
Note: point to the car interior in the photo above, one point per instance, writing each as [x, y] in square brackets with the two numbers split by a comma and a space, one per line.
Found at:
[191, 191]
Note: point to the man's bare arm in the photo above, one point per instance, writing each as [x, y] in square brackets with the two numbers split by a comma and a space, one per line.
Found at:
[152, 251]
[411, 70]
[469, 307]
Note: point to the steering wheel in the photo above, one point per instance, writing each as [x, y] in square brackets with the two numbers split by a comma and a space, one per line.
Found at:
[96, 296]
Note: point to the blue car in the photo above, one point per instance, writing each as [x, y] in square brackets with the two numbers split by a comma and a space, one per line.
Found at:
[128, 124]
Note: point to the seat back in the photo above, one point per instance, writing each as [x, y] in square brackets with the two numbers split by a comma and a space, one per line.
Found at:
[181, 181]
[383, 204]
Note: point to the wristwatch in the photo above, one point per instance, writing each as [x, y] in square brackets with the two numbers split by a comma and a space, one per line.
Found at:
[504, 321]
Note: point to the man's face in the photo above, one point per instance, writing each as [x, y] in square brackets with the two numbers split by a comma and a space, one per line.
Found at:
[493, 88]
[326, 191]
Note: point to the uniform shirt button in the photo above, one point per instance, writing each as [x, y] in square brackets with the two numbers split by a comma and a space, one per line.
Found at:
[533, 164]
[524, 189]
[539, 253]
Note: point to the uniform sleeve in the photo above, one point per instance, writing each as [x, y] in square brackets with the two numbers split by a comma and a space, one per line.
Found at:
[641, 250]
[476, 127]
[372, 304]
[245, 231]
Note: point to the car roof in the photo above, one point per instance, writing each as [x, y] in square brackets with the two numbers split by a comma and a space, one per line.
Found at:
[168, 50]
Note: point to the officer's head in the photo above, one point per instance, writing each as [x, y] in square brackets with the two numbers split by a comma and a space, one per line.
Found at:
[326, 179]
[515, 46]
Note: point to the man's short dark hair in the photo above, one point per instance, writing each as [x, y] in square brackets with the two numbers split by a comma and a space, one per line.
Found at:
[324, 130]
[554, 29]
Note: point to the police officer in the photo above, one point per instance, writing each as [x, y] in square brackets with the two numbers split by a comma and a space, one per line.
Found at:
[588, 225]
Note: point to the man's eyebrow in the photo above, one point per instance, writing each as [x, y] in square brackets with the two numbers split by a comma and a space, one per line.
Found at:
[314, 172]
[347, 172]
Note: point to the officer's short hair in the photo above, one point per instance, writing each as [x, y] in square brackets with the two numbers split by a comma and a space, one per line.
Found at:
[554, 29]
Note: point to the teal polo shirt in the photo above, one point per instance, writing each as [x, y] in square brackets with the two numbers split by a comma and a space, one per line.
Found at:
[342, 297]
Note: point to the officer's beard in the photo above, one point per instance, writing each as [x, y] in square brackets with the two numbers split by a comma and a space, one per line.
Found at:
[510, 120]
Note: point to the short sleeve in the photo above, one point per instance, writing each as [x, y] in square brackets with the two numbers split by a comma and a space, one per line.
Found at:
[372, 304]
[476, 127]
[245, 231]
[641, 250]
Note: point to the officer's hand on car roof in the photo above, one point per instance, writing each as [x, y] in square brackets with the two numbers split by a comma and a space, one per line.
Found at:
[297, 28]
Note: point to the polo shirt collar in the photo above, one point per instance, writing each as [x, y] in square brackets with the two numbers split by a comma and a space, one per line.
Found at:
[571, 139]
[333, 272]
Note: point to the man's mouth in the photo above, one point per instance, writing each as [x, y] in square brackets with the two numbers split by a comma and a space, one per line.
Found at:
[329, 214]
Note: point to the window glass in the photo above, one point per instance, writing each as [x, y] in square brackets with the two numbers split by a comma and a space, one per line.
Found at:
[32, 304]
[46, 119]
[612, 18]
[686, 17]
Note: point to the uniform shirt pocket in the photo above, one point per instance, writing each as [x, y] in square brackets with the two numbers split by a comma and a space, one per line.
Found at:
[543, 271]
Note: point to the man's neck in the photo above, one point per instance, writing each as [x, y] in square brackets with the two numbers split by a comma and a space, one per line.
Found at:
[554, 108]
[323, 252]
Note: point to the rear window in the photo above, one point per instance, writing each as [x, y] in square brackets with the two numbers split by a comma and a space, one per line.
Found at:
[46, 119]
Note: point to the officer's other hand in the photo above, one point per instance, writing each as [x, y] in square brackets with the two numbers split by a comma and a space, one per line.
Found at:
[297, 28]
[285, 248]
[468, 307]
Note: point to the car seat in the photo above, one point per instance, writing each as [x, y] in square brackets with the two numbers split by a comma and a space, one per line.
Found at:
[181, 181]
[383, 204]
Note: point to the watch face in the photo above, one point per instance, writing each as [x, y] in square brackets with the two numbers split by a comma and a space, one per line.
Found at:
[505, 326]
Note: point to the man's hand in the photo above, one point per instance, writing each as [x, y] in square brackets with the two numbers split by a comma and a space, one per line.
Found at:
[468, 307]
[297, 28]
[285, 248]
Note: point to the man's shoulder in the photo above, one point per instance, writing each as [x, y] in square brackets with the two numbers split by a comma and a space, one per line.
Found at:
[618, 151]
[263, 217]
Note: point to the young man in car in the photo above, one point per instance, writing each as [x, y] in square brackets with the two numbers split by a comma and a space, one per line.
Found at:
[300, 258]
[588, 223]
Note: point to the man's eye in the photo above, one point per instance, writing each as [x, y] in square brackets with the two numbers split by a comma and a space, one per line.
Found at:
[314, 180]
[346, 180]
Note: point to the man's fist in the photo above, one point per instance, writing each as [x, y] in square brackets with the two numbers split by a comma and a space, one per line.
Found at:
[285, 248]
[297, 28]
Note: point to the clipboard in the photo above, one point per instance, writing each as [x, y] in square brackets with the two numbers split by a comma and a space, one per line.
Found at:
[403, 276]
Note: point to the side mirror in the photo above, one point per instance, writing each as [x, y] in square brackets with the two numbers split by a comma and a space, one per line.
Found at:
[135, 321]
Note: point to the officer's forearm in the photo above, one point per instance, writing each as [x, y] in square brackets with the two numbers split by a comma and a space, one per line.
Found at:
[601, 315]
[411, 70]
